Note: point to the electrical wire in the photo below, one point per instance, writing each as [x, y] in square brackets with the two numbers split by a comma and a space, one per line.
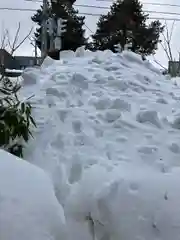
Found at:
[99, 14]
[145, 3]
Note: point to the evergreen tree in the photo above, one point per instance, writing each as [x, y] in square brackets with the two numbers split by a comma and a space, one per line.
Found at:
[74, 36]
[126, 23]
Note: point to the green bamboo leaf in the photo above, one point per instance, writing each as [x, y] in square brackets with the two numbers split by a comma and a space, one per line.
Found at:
[23, 107]
[32, 120]
[5, 92]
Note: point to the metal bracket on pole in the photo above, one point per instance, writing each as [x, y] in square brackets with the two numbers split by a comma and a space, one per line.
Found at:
[61, 25]
[51, 30]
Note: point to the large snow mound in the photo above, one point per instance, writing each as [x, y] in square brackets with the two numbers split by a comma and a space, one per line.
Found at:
[108, 136]
[28, 207]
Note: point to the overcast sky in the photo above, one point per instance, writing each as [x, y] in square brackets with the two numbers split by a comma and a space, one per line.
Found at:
[10, 20]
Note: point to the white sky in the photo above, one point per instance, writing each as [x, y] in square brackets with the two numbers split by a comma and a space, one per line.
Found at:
[10, 20]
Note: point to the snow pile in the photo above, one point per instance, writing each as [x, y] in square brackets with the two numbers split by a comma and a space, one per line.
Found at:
[28, 207]
[108, 136]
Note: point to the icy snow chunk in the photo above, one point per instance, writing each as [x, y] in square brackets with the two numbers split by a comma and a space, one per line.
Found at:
[67, 54]
[132, 57]
[98, 59]
[80, 52]
[112, 115]
[111, 78]
[119, 84]
[121, 105]
[122, 139]
[79, 80]
[112, 67]
[29, 208]
[102, 103]
[53, 91]
[30, 76]
[148, 116]
[100, 79]
[47, 62]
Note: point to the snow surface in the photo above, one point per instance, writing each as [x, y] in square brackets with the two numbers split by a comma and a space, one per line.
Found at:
[109, 137]
[28, 207]
[13, 71]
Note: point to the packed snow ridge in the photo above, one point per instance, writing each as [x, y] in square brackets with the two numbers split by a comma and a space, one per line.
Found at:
[28, 206]
[108, 135]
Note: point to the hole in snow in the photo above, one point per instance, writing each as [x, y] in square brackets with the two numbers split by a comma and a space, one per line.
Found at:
[75, 172]
[77, 126]
[174, 147]
[62, 114]
[147, 149]
[133, 186]
[161, 100]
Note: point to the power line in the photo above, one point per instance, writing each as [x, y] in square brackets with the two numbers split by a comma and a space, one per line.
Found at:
[145, 3]
[161, 4]
[76, 5]
[158, 18]
[93, 14]
[89, 28]
[160, 12]
[97, 14]
[18, 9]
[102, 7]
[107, 8]
[109, 1]
[146, 11]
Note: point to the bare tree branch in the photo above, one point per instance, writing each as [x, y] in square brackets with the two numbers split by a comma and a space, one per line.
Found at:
[14, 45]
[167, 37]
[8, 40]
[172, 28]
[168, 41]
[3, 39]
[15, 38]
[166, 50]
[159, 63]
[24, 39]
[10, 46]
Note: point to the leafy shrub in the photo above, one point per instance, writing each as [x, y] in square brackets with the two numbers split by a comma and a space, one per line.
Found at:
[15, 118]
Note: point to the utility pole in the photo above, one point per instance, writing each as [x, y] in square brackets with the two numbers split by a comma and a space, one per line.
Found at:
[44, 31]
[35, 52]
[34, 44]
[54, 28]
[51, 27]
